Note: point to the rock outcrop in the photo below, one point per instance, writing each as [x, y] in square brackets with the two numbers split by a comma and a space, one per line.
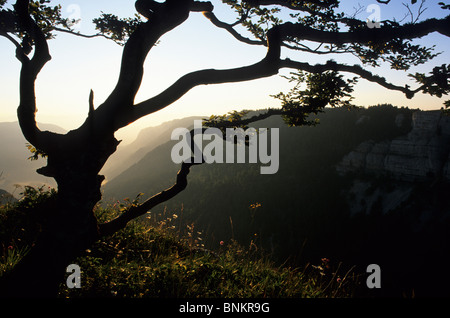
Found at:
[423, 154]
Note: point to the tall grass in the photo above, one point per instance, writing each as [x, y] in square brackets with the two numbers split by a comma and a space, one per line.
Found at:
[160, 256]
[10, 257]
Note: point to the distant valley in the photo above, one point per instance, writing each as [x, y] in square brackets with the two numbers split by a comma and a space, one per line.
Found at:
[15, 168]
[147, 140]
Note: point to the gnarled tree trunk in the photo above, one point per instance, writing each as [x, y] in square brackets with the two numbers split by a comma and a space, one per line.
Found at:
[70, 226]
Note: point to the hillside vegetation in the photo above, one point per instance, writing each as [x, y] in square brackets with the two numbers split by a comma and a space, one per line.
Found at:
[161, 257]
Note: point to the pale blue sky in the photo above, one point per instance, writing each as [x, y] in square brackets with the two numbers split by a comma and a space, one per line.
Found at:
[79, 65]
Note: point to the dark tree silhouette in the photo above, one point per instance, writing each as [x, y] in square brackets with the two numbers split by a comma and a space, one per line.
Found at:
[75, 159]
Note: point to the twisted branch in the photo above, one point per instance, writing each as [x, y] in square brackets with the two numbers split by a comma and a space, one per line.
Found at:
[26, 111]
[355, 69]
[133, 212]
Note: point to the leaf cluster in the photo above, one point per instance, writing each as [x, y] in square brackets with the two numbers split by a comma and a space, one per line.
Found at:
[401, 54]
[256, 19]
[115, 28]
[437, 83]
[47, 17]
[36, 153]
[231, 119]
[322, 89]
[444, 6]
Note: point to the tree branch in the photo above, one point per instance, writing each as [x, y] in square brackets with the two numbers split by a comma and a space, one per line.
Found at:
[367, 35]
[13, 41]
[202, 6]
[118, 110]
[223, 122]
[138, 46]
[300, 6]
[288, 4]
[30, 69]
[214, 20]
[268, 66]
[355, 69]
[133, 212]
[230, 28]
[162, 17]
[88, 36]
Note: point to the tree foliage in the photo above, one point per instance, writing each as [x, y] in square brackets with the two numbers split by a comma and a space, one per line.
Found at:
[115, 28]
[322, 89]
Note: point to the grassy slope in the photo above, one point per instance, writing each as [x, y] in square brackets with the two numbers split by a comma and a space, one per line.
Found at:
[162, 258]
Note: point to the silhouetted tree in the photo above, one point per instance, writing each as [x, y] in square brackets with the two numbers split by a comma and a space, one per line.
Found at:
[75, 159]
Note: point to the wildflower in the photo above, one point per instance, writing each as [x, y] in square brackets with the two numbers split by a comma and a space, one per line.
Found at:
[255, 205]
[326, 262]
[10, 247]
[221, 243]
[338, 280]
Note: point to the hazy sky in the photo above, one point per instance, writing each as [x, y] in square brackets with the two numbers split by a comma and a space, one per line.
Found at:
[79, 65]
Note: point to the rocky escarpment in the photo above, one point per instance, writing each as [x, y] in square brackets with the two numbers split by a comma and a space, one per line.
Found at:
[422, 154]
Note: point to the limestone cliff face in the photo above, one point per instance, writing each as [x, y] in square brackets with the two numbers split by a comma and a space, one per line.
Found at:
[422, 154]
